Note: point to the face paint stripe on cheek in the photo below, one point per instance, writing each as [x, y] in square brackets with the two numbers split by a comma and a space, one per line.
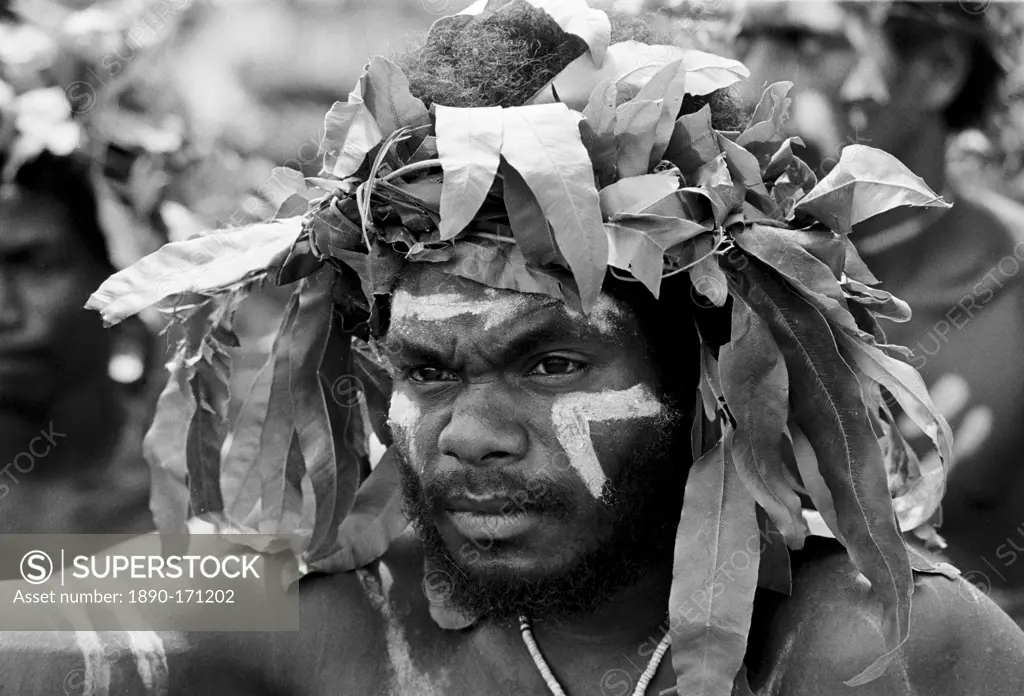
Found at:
[572, 414]
[403, 418]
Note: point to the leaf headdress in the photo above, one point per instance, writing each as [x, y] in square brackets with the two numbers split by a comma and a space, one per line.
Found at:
[598, 175]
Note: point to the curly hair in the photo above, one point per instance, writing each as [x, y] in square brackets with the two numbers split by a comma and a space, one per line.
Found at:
[506, 58]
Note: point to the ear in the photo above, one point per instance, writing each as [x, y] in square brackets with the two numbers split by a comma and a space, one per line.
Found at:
[941, 71]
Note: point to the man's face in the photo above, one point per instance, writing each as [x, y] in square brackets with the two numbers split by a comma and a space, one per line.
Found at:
[849, 86]
[47, 340]
[533, 437]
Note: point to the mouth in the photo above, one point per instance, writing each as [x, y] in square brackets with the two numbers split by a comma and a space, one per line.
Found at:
[489, 517]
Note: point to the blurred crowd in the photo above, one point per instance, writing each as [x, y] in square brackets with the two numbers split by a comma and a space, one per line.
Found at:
[128, 124]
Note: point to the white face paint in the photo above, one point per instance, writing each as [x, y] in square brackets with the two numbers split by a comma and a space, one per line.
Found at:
[573, 413]
[496, 308]
[403, 417]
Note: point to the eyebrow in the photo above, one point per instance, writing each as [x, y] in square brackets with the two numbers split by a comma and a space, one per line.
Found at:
[548, 329]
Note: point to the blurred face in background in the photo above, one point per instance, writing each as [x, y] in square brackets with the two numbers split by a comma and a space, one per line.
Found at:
[48, 342]
[852, 85]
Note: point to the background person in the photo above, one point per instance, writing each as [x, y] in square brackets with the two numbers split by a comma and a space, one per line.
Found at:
[907, 77]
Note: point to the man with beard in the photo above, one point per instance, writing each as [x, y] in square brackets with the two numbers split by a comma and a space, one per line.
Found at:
[906, 77]
[600, 463]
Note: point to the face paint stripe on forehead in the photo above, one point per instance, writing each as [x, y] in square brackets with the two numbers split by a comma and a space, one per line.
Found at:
[572, 414]
[495, 308]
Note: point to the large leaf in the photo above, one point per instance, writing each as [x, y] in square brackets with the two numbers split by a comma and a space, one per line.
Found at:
[349, 134]
[468, 143]
[637, 244]
[693, 142]
[706, 275]
[633, 64]
[768, 117]
[240, 482]
[332, 466]
[756, 389]
[726, 196]
[208, 428]
[598, 128]
[164, 450]
[714, 577]
[635, 194]
[504, 267]
[865, 183]
[530, 227]
[826, 400]
[386, 95]
[805, 272]
[906, 386]
[374, 521]
[810, 476]
[636, 126]
[198, 265]
[669, 87]
[543, 144]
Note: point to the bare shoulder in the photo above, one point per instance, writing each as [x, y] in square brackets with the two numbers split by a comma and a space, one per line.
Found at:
[829, 630]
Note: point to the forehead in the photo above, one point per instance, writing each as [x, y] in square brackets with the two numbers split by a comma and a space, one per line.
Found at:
[31, 218]
[428, 301]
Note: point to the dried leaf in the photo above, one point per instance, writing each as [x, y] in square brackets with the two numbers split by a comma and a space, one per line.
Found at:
[468, 143]
[530, 228]
[637, 243]
[826, 400]
[756, 389]
[746, 170]
[374, 521]
[854, 267]
[865, 183]
[782, 159]
[712, 594]
[349, 134]
[879, 302]
[543, 144]
[197, 265]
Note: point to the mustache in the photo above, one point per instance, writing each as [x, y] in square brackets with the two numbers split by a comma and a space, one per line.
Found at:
[525, 493]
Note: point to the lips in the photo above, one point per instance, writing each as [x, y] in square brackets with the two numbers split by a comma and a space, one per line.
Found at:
[489, 517]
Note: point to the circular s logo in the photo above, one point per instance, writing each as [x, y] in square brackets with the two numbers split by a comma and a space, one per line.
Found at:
[36, 567]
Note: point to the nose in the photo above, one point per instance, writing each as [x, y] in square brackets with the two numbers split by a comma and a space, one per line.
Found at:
[483, 430]
[11, 310]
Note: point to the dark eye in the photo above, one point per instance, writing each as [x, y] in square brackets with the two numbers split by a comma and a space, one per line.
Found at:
[429, 373]
[556, 366]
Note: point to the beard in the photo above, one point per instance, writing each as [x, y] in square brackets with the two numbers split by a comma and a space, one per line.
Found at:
[636, 520]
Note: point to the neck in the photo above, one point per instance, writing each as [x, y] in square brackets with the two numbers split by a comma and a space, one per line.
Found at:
[633, 615]
[77, 436]
[924, 153]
